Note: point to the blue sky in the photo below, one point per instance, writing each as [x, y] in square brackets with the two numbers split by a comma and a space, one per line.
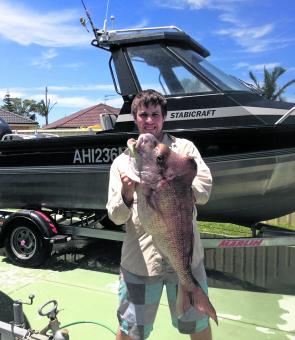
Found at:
[43, 44]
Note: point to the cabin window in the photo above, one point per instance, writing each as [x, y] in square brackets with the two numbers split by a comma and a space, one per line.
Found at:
[157, 68]
[222, 80]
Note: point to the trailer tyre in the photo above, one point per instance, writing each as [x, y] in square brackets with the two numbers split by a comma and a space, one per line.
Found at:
[25, 245]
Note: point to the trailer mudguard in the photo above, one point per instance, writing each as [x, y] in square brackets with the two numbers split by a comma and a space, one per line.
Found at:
[44, 223]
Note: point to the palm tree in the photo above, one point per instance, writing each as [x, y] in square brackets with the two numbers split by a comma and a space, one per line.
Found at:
[270, 88]
[44, 107]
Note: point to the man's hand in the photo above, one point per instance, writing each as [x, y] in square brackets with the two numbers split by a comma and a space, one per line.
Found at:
[128, 188]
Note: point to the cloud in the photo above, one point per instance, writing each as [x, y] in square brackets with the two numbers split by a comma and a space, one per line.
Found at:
[172, 4]
[17, 93]
[236, 26]
[74, 65]
[80, 102]
[141, 24]
[225, 5]
[27, 26]
[55, 94]
[24, 91]
[197, 4]
[73, 101]
[248, 33]
[256, 67]
[117, 102]
[260, 67]
[253, 39]
[241, 65]
[44, 60]
[70, 101]
[83, 87]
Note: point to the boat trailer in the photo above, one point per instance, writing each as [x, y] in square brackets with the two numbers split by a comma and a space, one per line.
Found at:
[29, 235]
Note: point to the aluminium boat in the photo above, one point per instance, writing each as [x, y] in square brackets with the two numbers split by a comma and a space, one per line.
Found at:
[247, 141]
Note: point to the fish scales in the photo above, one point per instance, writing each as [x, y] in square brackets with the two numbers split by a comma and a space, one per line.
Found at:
[171, 227]
[165, 206]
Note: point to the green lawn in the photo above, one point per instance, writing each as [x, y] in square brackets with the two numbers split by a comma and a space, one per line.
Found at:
[228, 229]
[224, 229]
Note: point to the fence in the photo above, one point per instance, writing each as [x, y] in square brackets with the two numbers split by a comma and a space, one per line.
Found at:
[253, 268]
[288, 220]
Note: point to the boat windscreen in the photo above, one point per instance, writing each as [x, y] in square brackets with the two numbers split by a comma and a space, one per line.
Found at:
[224, 81]
[156, 67]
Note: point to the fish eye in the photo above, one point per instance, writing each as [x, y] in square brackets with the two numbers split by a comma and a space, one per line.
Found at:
[160, 159]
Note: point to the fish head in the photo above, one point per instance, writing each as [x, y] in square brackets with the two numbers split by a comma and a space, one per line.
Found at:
[156, 163]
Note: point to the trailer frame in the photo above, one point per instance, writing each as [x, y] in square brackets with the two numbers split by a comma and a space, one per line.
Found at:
[46, 228]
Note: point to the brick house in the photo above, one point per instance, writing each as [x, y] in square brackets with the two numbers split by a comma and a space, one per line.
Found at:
[17, 122]
[84, 118]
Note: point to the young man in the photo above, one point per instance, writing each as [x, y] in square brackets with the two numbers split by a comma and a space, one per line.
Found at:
[143, 270]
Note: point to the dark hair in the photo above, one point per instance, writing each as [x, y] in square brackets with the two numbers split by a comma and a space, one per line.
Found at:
[149, 97]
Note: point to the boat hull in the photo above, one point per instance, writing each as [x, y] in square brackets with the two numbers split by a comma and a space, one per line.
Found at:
[253, 188]
[54, 187]
[249, 185]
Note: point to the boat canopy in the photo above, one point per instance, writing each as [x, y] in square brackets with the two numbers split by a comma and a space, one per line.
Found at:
[171, 62]
[198, 94]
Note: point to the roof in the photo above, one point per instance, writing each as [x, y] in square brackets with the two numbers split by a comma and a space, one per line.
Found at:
[145, 37]
[83, 118]
[14, 118]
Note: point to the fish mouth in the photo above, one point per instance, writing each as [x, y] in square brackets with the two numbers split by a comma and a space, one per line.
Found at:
[131, 144]
[145, 143]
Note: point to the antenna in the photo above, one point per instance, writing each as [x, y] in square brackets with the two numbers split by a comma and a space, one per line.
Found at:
[106, 17]
[84, 22]
[112, 20]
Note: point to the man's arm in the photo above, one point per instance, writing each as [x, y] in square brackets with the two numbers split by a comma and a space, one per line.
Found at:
[202, 183]
[119, 196]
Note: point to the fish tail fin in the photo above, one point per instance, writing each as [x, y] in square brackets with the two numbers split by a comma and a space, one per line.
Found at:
[183, 300]
[203, 304]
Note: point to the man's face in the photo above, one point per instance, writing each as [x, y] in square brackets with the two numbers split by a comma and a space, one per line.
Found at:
[150, 120]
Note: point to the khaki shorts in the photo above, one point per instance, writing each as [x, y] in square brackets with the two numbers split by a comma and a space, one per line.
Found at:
[139, 301]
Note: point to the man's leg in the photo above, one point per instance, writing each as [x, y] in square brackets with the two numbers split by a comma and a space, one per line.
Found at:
[139, 300]
[122, 336]
[193, 322]
[203, 335]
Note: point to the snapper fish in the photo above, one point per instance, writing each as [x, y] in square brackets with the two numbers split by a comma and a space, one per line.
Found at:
[165, 209]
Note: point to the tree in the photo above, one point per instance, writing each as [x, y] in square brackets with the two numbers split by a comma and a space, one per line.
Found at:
[44, 106]
[8, 105]
[26, 108]
[270, 88]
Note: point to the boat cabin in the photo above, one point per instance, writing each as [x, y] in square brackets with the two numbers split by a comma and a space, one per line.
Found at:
[198, 94]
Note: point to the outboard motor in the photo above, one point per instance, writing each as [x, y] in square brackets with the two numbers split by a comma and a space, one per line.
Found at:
[4, 128]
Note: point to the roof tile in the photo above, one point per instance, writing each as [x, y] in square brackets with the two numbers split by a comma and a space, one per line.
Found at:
[14, 118]
[83, 118]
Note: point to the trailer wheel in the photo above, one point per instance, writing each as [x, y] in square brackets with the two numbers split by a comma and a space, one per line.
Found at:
[25, 246]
